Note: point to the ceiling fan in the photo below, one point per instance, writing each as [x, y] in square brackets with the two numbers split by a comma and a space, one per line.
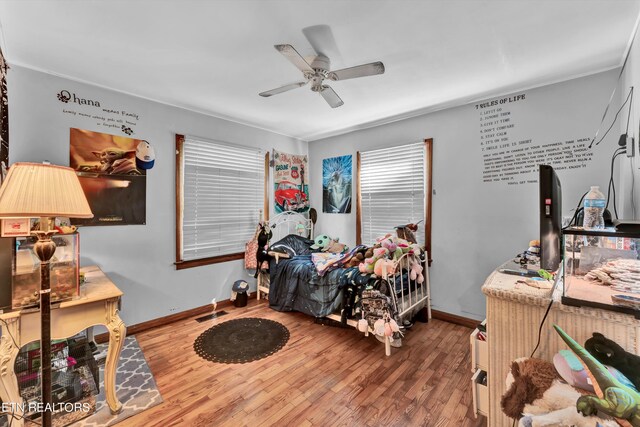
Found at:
[319, 70]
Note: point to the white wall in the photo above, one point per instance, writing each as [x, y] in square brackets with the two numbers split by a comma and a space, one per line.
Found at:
[476, 225]
[138, 258]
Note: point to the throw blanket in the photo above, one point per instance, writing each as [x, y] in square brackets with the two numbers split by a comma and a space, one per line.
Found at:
[326, 261]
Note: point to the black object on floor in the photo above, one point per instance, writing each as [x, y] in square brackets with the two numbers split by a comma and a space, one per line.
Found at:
[241, 340]
[211, 316]
[241, 299]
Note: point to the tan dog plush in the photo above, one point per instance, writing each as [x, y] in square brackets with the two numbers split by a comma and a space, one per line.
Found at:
[537, 397]
[335, 247]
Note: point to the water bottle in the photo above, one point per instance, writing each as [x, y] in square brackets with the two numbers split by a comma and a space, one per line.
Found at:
[594, 204]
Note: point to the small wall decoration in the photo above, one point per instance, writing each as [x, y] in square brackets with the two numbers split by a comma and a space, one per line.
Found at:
[115, 187]
[290, 181]
[336, 184]
[90, 110]
[16, 227]
[4, 119]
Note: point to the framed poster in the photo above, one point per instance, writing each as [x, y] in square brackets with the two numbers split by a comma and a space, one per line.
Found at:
[290, 182]
[337, 177]
[115, 187]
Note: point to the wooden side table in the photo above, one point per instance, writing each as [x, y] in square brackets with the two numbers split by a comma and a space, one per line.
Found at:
[98, 304]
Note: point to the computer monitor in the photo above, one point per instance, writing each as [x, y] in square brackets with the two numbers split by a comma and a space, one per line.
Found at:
[550, 219]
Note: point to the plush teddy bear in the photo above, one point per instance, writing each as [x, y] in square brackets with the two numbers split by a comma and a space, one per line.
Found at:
[369, 263]
[610, 353]
[415, 272]
[537, 397]
[355, 260]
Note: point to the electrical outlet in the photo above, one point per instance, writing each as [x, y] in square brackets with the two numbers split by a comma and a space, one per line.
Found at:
[630, 146]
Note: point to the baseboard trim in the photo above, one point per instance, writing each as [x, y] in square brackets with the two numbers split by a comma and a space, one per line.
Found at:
[454, 318]
[161, 321]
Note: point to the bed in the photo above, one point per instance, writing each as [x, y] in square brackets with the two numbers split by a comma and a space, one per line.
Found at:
[294, 284]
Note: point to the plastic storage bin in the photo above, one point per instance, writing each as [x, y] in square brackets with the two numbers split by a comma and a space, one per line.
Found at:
[65, 271]
[602, 269]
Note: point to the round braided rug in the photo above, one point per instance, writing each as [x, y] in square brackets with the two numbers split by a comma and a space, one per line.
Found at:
[241, 340]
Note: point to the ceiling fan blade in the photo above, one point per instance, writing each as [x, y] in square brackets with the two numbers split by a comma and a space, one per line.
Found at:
[283, 89]
[331, 97]
[296, 59]
[359, 71]
[321, 39]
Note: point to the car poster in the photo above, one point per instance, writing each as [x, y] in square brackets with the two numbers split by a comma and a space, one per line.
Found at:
[115, 187]
[336, 184]
[290, 182]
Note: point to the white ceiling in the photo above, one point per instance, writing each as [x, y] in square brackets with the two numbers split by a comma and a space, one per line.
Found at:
[216, 56]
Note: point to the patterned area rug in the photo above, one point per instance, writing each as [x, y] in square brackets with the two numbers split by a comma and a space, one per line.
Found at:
[135, 388]
[241, 340]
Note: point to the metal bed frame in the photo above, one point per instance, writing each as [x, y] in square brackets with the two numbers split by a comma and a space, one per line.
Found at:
[407, 304]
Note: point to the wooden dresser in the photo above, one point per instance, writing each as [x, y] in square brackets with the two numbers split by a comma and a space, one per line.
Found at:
[514, 313]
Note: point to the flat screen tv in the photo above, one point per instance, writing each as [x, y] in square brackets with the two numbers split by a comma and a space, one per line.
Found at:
[550, 219]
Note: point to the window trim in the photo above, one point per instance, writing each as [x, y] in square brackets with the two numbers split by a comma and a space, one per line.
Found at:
[180, 263]
[428, 144]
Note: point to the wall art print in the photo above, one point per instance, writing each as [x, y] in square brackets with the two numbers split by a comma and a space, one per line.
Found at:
[290, 182]
[337, 178]
[106, 166]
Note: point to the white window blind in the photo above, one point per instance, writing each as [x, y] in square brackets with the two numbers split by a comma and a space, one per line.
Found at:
[223, 193]
[392, 190]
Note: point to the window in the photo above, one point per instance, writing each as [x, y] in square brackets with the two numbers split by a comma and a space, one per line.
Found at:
[394, 188]
[220, 191]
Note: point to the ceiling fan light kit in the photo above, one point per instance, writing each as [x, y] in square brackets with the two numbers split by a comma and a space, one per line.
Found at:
[318, 71]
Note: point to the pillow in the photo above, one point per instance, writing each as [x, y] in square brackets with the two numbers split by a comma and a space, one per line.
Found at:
[293, 245]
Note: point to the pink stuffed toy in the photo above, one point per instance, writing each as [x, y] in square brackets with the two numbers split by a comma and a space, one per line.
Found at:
[416, 272]
[381, 263]
[369, 263]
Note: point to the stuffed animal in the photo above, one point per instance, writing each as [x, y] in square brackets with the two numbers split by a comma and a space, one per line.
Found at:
[396, 246]
[369, 252]
[613, 397]
[263, 242]
[369, 263]
[335, 247]
[320, 242]
[415, 272]
[379, 266]
[65, 229]
[407, 231]
[355, 260]
[609, 353]
[537, 397]
[572, 371]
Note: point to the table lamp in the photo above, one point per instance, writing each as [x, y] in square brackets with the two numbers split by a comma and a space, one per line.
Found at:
[45, 191]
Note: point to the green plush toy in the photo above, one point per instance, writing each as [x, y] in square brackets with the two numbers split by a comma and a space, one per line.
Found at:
[614, 398]
[321, 241]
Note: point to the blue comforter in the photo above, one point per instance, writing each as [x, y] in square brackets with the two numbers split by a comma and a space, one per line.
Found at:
[296, 286]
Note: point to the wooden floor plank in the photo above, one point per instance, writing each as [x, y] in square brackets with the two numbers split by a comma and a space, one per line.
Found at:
[323, 376]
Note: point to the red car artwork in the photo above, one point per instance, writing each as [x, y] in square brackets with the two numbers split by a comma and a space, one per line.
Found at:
[289, 196]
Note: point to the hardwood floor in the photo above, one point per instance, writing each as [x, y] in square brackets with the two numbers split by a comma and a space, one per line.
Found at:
[323, 376]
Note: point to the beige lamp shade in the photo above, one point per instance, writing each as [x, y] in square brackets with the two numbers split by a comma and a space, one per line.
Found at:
[41, 190]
